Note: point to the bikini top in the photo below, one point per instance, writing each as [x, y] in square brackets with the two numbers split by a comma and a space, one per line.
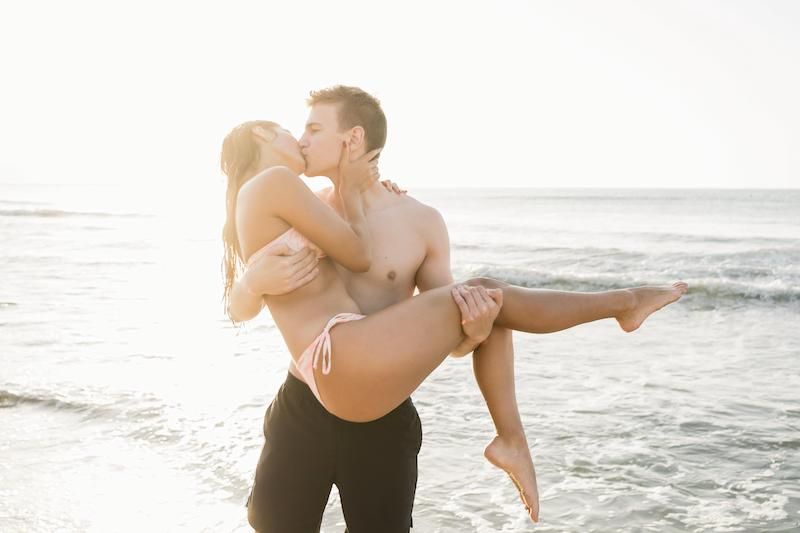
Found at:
[293, 239]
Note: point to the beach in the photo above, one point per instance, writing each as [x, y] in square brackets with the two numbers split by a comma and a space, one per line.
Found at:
[129, 402]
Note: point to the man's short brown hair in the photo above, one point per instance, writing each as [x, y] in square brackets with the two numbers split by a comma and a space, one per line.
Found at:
[358, 108]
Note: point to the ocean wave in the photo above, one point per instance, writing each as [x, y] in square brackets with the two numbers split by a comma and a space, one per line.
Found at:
[760, 248]
[113, 409]
[40, 260]
[9, 399]
[781, 251]
[707, 291]
[58, 213]
[762, 273]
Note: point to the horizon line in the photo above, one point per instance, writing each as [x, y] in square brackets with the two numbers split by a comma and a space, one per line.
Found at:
[472, 187]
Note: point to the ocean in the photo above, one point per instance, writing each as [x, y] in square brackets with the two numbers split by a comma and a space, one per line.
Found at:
[128, 402]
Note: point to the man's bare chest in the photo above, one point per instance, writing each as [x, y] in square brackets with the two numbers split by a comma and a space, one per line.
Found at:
[398, 251]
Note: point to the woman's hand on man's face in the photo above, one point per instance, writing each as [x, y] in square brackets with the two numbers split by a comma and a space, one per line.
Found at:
[360, 173]
[281, 271]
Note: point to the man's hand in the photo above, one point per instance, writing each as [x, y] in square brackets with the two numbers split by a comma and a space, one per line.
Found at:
[479, 308]
[280, 271]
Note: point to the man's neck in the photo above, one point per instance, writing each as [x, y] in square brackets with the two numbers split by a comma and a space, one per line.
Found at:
[374, 196]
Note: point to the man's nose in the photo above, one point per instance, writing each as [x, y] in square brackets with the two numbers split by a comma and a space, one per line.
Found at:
[302, 141]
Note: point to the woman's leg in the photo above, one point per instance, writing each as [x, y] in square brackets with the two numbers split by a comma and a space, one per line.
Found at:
[493, 364]
[543, 311]
[378, 361]
[381, 359]
[547, 311]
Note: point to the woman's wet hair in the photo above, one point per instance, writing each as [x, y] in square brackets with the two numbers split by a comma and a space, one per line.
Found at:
[238, 159]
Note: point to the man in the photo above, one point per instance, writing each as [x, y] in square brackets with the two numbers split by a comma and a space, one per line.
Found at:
[373, 464]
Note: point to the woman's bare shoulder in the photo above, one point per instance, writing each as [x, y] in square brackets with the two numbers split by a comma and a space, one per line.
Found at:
[273, 190]
[271, 180]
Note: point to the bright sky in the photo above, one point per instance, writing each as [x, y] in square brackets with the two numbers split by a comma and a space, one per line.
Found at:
[507, 93]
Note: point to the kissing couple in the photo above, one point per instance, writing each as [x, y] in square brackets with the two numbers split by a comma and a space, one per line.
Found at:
[338, 271]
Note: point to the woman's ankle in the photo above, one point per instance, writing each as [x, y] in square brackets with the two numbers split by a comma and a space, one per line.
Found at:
[625, 301]
[513, 437]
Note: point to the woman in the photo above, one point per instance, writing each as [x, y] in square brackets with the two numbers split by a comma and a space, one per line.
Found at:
[380, 359]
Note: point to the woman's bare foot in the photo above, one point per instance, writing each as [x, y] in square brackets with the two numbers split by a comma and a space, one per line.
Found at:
[648, 300]
[513, 456]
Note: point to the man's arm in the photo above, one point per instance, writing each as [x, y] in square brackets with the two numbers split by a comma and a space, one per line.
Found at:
[275, 272]
[435, 269]
[244, 304]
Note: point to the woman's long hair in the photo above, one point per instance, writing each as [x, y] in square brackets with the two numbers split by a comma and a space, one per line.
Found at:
[238, 159]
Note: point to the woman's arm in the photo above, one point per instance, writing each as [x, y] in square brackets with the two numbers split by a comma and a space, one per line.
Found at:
[278, 192]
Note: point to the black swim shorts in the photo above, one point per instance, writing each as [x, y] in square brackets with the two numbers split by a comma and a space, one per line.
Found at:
[308, 450]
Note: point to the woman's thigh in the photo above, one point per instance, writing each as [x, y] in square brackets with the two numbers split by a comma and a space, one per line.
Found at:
[380, 360]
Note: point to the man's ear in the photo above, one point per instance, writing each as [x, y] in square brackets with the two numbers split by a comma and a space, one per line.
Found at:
[357, 138]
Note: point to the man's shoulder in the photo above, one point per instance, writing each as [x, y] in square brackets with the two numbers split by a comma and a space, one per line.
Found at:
[411, 206]
[421, 211]
[430, 228]
[426, 221]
